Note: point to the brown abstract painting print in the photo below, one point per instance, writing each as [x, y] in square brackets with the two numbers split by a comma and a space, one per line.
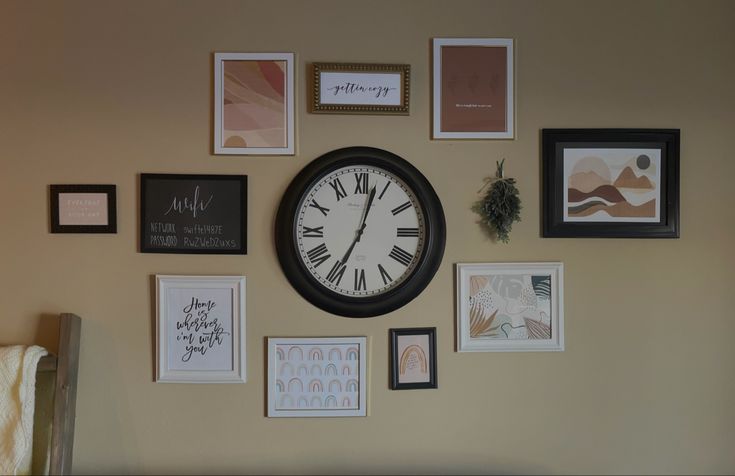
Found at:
[474, 88]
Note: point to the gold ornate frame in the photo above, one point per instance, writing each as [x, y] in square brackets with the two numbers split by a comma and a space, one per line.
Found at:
[316, 105]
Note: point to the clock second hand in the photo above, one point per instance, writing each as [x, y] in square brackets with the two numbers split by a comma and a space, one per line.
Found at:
[361, 226]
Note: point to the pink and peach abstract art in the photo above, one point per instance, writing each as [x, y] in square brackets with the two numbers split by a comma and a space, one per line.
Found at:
[254, 104]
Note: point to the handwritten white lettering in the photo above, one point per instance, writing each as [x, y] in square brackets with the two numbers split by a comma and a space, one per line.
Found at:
[473, 106]
[158, 227]
[194, 204]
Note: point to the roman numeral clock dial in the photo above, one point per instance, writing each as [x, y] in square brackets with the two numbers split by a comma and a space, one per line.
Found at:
[360, 232]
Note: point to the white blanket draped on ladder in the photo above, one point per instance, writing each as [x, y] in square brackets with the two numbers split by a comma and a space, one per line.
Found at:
[17, 400]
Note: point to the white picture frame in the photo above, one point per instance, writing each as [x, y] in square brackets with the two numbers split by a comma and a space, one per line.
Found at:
[317, 377]
[510, 307]
[200, 329]
[475, 88]
[254, 76]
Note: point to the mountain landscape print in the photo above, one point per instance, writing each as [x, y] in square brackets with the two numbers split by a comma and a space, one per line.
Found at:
[612, 185]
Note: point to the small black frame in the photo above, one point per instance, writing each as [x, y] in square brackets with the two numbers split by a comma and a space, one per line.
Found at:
[109, 190]
[395, 359]
[554, 144]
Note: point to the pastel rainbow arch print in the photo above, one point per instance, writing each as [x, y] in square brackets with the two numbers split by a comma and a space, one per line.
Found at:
[331, 402]
[286, 370]
[316, 386]
[295, 385]
[335, 354]
[295, 353]
[335, 386]
[420, 356]
[331, 370]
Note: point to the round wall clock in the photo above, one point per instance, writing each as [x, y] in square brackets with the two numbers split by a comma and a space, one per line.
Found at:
[360, 232]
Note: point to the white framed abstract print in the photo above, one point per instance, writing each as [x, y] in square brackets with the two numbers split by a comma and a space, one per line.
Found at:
[506, 307]
[254, 104]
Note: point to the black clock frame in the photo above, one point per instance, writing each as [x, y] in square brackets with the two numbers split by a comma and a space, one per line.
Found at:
[350, 306]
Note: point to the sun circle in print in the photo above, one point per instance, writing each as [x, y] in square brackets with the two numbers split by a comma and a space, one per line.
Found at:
[643, 161]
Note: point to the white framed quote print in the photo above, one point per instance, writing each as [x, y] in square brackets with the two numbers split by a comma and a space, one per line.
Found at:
[200, 329]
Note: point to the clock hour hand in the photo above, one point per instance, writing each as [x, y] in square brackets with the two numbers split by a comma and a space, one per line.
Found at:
[362, 225]
[352, 245]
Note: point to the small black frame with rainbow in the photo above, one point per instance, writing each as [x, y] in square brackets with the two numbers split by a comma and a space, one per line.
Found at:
[413, 358]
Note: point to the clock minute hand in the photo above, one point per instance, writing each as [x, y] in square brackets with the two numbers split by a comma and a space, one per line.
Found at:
[361, 227]
[365, 212]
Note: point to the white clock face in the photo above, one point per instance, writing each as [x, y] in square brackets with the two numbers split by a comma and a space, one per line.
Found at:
[360, 231]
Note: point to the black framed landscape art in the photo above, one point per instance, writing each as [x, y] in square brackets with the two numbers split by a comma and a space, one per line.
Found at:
[610, 183]
[193, 214]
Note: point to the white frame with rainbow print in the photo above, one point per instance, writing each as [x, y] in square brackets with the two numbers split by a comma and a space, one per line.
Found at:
[610, 183]
[510, 307]
[266, 90]
[317, 377]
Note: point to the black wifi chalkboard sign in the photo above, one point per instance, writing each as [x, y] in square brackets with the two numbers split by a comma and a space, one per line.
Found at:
[193, 214]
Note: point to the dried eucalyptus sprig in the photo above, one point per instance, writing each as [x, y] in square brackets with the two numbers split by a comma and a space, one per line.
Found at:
[501, 206]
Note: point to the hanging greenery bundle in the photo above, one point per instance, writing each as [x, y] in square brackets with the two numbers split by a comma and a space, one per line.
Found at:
[501, 206]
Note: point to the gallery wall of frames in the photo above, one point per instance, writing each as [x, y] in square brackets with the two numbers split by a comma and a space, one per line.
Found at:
[360, 231]
[328, 237]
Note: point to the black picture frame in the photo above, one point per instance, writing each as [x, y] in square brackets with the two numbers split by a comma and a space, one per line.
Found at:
[665, 225]
[226, 231]
[349, 306]
[396, 360]
[109, 190]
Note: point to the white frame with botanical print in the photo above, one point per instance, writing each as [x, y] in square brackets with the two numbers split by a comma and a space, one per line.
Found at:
[219, 148]
[466, 343]
[277, 386]
[232, 284]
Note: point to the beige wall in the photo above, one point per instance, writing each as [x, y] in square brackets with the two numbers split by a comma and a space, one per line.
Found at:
[97, 92]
